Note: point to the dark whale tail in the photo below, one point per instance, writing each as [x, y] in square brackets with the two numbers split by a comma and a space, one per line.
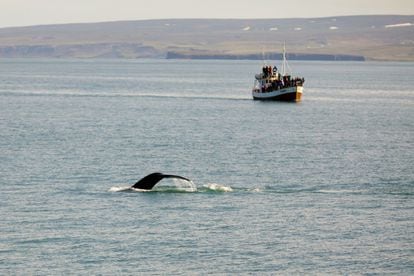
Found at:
[148, 182]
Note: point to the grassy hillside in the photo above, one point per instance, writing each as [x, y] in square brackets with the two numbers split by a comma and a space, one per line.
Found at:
[384, 37]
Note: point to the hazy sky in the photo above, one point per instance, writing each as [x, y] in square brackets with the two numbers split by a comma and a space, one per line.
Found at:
[35, 12]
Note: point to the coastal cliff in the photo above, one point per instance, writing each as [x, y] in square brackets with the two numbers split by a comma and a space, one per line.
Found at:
[381, 37]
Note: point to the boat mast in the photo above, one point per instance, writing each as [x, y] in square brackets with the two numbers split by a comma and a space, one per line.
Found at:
[284, 59]
[263, 57]
[285, 66]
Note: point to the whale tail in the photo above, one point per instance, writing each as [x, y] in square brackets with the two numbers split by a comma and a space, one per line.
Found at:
[149, 181]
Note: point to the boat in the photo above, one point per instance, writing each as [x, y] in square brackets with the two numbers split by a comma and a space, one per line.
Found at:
[271, 84]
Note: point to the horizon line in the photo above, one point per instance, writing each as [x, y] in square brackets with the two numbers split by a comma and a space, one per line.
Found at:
[195, 18]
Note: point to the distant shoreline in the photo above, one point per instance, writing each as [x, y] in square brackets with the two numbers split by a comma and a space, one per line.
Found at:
[340, 38]
[273, 56]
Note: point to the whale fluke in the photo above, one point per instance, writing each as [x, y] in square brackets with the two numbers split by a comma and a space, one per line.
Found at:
[149, 181]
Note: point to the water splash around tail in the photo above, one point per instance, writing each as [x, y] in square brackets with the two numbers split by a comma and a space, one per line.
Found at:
[177, 185]
[218, 187]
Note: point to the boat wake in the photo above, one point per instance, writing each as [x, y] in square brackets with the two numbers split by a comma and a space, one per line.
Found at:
[137, 94]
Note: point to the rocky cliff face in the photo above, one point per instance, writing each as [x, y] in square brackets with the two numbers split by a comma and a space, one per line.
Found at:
[93, 50]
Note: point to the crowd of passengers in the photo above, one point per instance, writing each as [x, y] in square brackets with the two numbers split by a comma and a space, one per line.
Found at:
[269, 71]
[286, 81]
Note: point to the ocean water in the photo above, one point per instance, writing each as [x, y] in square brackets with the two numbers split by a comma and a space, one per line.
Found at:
[324, 186]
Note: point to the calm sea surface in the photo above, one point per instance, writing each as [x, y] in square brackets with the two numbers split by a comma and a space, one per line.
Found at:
[322, 186]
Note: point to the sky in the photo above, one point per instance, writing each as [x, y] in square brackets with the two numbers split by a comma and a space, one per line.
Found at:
[40, 12]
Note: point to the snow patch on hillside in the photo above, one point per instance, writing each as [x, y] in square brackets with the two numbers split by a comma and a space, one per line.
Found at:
[399, 25]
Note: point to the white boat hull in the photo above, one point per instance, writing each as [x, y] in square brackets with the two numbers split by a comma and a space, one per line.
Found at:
[293, 93]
